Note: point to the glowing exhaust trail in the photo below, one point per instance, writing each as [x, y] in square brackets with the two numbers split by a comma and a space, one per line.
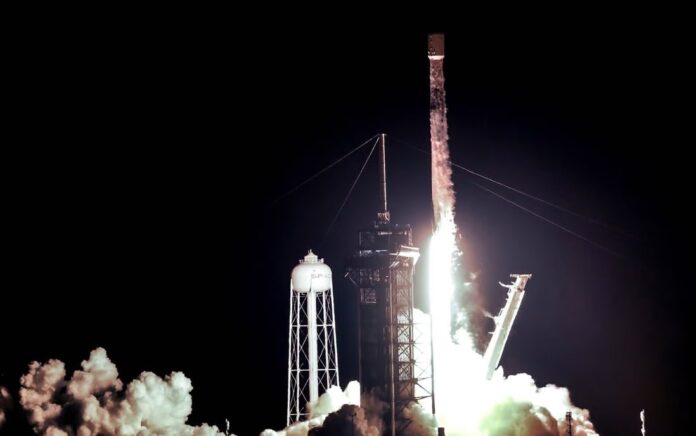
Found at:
[443, 194]
[443, 247]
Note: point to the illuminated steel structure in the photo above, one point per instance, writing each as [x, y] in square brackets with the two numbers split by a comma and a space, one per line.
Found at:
[504, 321]
[382, 270]
[312, 352]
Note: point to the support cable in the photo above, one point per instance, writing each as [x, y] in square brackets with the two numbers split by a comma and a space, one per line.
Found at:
[323, 170]
[350, 191]
[530, 196]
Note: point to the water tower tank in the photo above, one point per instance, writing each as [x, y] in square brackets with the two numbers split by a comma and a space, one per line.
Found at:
[311, 273]
[312, 351]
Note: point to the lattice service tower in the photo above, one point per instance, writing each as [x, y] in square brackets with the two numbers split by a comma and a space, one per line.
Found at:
[389, 339]
[312, 353]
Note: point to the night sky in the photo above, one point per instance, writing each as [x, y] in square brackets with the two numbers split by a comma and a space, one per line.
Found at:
[143, 214]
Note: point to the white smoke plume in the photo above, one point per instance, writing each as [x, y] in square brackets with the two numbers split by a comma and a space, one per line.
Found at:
[93, 402]
[467, 402]
[423, 423]
[339, 412]
[505, 405]
[334, 398]
[5, 402]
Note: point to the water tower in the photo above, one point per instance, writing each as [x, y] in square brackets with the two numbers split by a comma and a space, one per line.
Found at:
[312, 353]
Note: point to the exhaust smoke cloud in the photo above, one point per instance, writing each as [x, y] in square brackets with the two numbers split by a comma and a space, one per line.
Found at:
[93, 401]
[334, 409]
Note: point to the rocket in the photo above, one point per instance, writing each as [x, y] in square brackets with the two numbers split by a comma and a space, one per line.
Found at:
[436, 46]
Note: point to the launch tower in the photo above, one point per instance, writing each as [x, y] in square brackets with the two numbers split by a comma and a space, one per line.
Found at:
[382, 271]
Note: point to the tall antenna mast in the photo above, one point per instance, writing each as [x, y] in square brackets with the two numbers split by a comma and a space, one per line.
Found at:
[383, 214]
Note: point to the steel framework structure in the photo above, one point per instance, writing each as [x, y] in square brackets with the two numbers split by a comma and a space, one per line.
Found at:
[389, 340]
[312, 352]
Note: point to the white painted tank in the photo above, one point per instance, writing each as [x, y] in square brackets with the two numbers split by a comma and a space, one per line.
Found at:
[311, 273]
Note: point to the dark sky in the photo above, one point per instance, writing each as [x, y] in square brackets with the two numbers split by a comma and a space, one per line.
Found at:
[141, 213]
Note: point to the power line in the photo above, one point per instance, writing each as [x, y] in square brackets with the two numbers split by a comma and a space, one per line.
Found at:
[323, 170]
[533, 197]
[553, 223]
[548, 203]
[350, 191]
